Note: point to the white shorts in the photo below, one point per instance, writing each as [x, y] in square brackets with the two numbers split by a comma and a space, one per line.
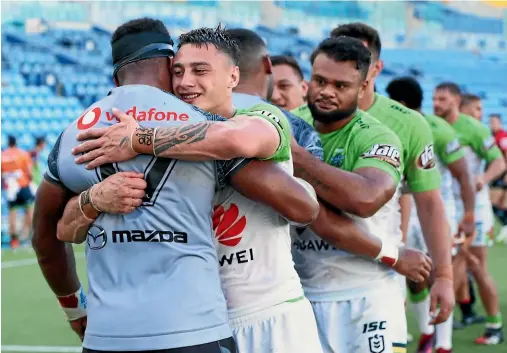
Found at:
[289, 327]
[415, 236]
[375, 323]
[484, 221]
[402, 282]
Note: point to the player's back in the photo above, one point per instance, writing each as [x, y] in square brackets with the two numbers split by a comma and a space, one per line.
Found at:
[153, 276]
[16, 165]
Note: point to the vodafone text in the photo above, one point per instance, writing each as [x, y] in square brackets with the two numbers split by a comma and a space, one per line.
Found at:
[151, 115]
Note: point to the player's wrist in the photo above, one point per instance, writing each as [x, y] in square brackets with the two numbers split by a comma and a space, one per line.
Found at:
[388, 255]
[74, 305]
[443, 272]
[88, 209]
[142, 140]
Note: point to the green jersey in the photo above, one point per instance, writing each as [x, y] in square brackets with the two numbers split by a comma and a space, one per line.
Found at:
[276, 117]
[328, 273]
[415, 135]
[480, 148]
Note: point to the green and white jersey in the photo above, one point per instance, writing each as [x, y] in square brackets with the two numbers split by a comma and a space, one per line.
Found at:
[480, 149]
[253, 241]
[330, 274]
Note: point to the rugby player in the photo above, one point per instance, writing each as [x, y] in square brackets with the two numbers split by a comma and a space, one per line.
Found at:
[498, 193]
[451, 164]
[363, 169]
[420, 173]
[479, 147]
[336, 229]
[153, 279]
[471, 105]
[290, 87]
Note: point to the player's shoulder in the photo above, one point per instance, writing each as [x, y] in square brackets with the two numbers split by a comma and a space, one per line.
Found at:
[471, 123]
[303, 112]
[439, 125]
[395, 110]
[368, 124]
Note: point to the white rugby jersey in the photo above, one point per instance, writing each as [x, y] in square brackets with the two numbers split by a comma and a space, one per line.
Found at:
[254, 253]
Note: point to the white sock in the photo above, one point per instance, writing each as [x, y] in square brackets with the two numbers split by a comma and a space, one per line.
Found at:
[422, 313]
[444, 334]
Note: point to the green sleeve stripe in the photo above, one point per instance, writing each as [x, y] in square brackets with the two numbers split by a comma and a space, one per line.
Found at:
[453, 157]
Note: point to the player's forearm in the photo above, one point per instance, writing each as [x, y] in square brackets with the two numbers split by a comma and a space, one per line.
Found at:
[268, 183]
[56, 259]
[431, 212]
[342, 232]
[248, 138]
[495, 170]
[347, 191]
[73, 226]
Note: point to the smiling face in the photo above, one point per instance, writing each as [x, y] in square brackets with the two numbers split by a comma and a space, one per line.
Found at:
[334, 90]
[289, 88]
[204, 76]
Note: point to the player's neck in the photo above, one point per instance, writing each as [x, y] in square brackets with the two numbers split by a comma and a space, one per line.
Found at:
[226, 109]
[368, 98]
[249, 88]
[144, 80]
[452, 117]
[337, 125]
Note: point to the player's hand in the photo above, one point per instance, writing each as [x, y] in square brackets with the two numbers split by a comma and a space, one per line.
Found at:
[107, 145]
[479, 182]
[119, 193]
[467, 225]
[79, 327]
[413, 264]
[442, 294]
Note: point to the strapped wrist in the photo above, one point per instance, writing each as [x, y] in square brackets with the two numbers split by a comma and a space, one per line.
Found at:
[89, 211]
[74, 305]
[388, 254]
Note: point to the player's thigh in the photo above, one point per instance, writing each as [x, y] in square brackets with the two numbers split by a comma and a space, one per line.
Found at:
[379, 324]
[285, 328]
[226, 345]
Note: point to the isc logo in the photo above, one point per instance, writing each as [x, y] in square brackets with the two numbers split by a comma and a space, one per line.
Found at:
[427, 158]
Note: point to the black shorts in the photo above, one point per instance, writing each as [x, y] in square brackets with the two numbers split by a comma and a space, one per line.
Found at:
[499, 183]
[23, 198]
[226, 345]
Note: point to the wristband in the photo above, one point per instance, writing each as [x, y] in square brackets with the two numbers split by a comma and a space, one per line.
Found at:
[91, 200]
[74, 305]
[388, 254]
[84, 209]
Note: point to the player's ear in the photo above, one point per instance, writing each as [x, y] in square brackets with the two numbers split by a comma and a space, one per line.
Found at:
[268, 66]
[115, 79]
[234, 77]
[304, 88]
[362, 88]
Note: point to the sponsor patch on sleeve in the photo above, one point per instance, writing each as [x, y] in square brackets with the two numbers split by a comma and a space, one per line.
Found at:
[488, 143]
[452, 146]
[426, 159]
[385, 153]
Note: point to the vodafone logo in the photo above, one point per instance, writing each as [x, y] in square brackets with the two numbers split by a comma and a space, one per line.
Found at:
[227, 226]
[89, 119]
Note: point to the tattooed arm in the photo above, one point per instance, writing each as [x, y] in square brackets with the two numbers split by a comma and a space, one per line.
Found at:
[242, 136]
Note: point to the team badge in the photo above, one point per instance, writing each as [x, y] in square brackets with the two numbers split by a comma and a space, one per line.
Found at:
[338, 158]
[376, 344]
[426, 159]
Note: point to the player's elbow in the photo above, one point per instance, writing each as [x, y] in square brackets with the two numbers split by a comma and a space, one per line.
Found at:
[370, 203]
[304, 207]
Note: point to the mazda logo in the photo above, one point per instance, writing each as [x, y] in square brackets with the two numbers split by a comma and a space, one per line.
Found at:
[97, 237]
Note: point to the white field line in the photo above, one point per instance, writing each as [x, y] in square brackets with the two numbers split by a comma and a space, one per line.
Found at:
[43, 349]
[33, 261]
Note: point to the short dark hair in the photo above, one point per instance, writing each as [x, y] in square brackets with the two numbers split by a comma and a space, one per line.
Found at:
[345, 49]
[407, 90]
[39, 140]
[450, 86]
[216, 36]
[278, 60]
[251, 48]
[495, 116]
[467, 98]
[139, 25]
[363, 32]
[11, 141]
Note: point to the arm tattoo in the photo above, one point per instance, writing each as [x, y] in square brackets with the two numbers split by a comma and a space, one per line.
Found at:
[316, 182]
[144, 135]
[166, 138]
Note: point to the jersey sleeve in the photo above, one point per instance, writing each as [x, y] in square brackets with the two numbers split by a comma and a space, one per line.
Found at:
[52, 173]
[484, 145]
[381, 149]
[420, 168]
[278, 119]
[448, 146]
[305, 135]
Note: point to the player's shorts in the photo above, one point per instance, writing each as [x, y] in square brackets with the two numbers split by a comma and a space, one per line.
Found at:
[482, 238]
[374, 323]
[226, 345]
[402, 282]
[289, 327]
[415, 236]
[499, 183]
[23, 198]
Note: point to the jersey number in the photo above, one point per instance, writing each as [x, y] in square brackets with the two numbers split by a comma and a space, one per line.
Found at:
[156, 174]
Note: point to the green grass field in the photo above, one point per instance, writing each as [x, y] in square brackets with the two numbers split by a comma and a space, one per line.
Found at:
[33, 322]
